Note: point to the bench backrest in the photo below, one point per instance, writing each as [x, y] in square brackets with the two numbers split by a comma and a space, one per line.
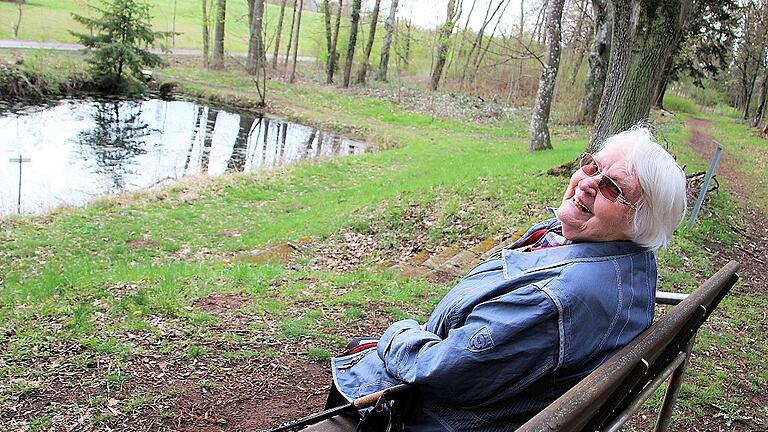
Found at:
[606, 398]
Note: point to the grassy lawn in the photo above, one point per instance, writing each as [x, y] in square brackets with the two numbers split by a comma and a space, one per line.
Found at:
[118, 314]
[51, 20]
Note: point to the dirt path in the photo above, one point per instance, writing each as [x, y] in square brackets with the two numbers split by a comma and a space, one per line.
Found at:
[752, 224]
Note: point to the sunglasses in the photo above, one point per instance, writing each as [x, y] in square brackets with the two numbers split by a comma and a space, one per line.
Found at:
[607, 186]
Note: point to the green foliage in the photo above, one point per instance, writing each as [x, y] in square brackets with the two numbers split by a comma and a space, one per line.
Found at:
[677, 104]
[121, 33]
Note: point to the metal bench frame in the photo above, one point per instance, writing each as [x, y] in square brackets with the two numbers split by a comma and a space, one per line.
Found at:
[605, 399]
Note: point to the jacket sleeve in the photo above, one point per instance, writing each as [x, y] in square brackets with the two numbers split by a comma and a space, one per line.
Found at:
[505, 344]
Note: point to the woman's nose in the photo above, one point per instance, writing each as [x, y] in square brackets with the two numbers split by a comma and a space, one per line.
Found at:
[589, 185]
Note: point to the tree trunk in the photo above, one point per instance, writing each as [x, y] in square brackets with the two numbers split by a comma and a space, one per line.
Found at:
[333, 56]
[656, 39]
[484, 50]
[443, 45]
[474, 51]
[352, 41]
[519, 42]
[389, 27]
[540, 114]
[363, 71]
[627, 98]
[661, 84]
[218, 38]
[206, 35]
[327, 18]
[761, 101]
[278, 34]
[256, 55]
[598, 62]
[406, 57]
[290, 34]
[296, 41]
[460, 51]
[17, 25]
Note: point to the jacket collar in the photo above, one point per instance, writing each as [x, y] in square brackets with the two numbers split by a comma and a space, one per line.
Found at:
[516, 262]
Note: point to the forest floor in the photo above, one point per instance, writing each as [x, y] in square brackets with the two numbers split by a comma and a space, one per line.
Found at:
[215, 305]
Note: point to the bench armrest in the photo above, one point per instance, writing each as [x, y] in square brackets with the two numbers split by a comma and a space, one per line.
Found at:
[669, 298]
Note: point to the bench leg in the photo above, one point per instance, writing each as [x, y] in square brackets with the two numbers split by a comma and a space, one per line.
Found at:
[673, 389]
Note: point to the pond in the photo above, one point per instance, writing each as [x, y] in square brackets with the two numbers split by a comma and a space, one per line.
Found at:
[74, 150]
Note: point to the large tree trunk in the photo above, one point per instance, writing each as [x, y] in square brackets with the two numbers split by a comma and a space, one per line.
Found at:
[218, 39]
[389, 27]
[443, 45]
[296, 29]
[279, 33]
[540, 114]
[333, 55]
[627, 96]
[363, 71]
[598, 62]
[352, 41]
[256, 54]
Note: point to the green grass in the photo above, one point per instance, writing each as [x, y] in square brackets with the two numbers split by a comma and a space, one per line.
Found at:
[51, 20]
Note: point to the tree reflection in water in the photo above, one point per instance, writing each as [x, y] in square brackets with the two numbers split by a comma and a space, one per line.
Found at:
[116, 138]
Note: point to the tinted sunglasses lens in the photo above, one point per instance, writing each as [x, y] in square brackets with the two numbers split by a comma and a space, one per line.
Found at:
[609, 189]
[588, 165]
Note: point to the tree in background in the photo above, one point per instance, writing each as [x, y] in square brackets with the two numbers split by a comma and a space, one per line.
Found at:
[540, 139]
[206, 33]
[118, 53]
[333, 55]
[599, 54]
[218, 35]
[363, 71]
[389, 30]
[17, 25]
[750, 58]
[355, 21]
[290, 34]
[296, 41]
[328, 30]
[279, 32]
[256, 59]
[443, 44]
[475, 48]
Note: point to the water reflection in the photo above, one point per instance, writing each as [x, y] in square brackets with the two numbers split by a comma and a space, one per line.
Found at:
[115, 140]
[82, 149]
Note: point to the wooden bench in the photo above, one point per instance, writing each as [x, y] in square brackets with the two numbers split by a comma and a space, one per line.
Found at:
[606, 399]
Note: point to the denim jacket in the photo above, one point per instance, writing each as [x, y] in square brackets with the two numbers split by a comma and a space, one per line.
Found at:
[512, 336]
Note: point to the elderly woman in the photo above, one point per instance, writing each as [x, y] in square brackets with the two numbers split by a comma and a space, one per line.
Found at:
[522, 328]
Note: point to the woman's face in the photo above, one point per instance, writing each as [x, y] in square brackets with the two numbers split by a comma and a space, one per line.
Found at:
[587, 215]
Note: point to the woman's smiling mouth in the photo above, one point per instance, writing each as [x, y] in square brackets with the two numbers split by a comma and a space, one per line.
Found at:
[580, 205]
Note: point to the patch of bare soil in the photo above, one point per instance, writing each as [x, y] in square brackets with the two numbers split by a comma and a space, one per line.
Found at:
[218, 303]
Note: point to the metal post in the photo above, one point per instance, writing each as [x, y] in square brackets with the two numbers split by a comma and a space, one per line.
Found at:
[20, 160]
[673, 389]
[705, 186]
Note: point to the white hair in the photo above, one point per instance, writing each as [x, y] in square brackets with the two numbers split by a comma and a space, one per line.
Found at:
[662, 205]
